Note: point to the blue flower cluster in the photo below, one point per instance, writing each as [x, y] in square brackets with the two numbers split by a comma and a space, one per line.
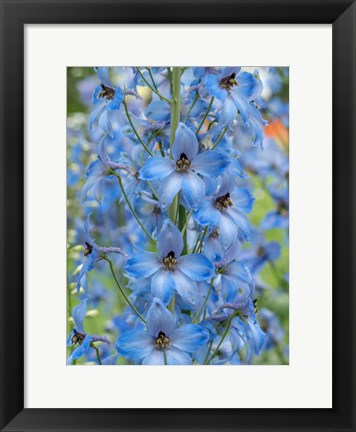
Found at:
[173, 158]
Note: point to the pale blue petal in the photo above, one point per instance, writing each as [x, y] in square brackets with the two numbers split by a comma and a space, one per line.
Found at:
[177, 357]
[242, 221]
[163, 285]
[241, 104]
[212, 84]
[193, 189]
[159, 319]
[143, 265]
[185, 142]
[135, 344]
[186, 288]
[170, 240]
[79, 350]
[229, 111]
[243, 199]
[103, 75]
[78, 315]
[157, 168]
[105, 123]
[169, 189]
[196, 267]
[95, 114]
[227, 230]
[250, 85]
[189, 338]
[155, 357]
[207, 213]
[210, 163]
[115, 103]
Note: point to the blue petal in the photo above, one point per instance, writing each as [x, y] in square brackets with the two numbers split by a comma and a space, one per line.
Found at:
[170, 240]
[142, 265]
[250, 85]
[135, 344]
[256, 335]
[105, 123]
[185, 142]
[115, 103]
[169, 189]
[177, 357]
[155, 357]
[193, 189]
[212, 249]
[79, 350]
[78, 315]
[210, 163]
[159, 319]
[189, 338]
[227, 230]
[273, 250]
[196, 266]
[103, 75]
[158, 111]
[241, 104]
[243, 199]
[242, 221]
[163, 285]
[229, 287]
[212, 84]
[186, 288]
[229, 111]
[207, 213]
[95, 114]
[157, 168]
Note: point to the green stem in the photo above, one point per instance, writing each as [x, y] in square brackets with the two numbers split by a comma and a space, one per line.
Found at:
[175, 117]
[205, 115]
[134, 129]
[122, 291]
[220, 137]
[196, 247]
[215, 353]
[204, 303]
[152, 88]
[207, 354]
[97, 352]
[196, 97]
[185, 226]
[132, 210]
[152, 79]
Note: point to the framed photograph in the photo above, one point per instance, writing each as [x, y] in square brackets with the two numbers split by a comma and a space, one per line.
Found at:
[177, 215]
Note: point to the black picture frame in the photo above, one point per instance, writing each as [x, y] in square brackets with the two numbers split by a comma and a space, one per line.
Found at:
[14, 15]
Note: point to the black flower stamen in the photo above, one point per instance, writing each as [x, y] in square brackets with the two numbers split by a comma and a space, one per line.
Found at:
[162, 341]
[77, 338]
[228, 82]
[183, 163]
[169, 261]
[223, 202]
[88, 249]
[106, 92]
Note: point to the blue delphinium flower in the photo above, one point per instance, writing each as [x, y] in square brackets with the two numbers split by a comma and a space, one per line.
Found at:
[225, 211]
[182, 172]
[161, 342]
[92, 254]
[260, 253]
[106, 97]
[78, 335]
[168, 270]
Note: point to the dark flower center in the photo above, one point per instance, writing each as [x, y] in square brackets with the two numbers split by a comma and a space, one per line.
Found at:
[106, 92]
[255, 306]
[261, 251]
[162, 341]
[283, 208]
[215, 234]
[170, 262]
[228, 82]
[77, 337]
[223, 202]
[88, 249]
[183, 163]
